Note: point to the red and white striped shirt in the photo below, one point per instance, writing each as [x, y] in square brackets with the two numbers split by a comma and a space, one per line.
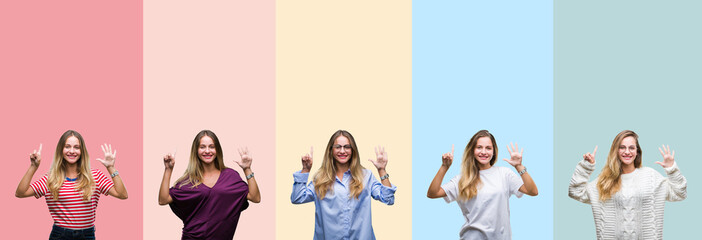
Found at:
[70, 211]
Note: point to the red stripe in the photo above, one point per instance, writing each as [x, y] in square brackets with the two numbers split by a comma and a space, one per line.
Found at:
[70, 211]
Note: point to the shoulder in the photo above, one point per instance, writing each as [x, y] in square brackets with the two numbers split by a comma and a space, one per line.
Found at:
[649, 172]
[96, 172]
[504, 171]
[229, 173]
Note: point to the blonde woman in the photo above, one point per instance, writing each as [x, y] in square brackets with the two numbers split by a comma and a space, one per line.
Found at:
[71, 188]
[628, 199]
[341, 189]
[482, 190]
[209, 197]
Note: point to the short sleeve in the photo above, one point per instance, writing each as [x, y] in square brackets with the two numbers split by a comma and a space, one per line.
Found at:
[102, 182]
[451, 189]
[514, 183]
[39, 187]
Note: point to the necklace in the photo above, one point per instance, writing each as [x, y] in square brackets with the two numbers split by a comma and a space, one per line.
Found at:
[71, 179]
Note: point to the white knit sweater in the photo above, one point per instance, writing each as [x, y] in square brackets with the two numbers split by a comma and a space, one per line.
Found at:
[636, 210]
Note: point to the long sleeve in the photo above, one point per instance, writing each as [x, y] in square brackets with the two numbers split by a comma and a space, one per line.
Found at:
[381, 192]
[675, 185]
[578, 183]
[302, 192]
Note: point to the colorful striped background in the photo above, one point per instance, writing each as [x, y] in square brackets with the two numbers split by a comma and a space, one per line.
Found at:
[557, 77]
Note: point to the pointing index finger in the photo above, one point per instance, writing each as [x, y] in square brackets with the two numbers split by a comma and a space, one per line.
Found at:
[594, 151]
[452, 148]
[40, 148]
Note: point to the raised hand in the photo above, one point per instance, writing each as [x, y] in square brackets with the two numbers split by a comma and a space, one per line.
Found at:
[590, 157]
[381, 158]
[110, 156]
[447, 158]
[169, 161]
[307, 161]
[246, 158]
[35, 157]
[515, 155]
[668, 157]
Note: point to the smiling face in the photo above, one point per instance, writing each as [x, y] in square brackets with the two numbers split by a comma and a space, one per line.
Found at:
[71, 150]
[627, 150]
[341, 150]
[206, 151]
[484, 151]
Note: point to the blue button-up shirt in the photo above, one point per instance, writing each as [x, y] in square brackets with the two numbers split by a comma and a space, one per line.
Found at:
[338, 215]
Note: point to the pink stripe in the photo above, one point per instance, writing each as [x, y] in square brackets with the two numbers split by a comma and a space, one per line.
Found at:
[82, 62]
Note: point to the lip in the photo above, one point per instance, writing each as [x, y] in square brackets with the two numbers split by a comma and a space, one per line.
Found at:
[342, 156]
[207, 156]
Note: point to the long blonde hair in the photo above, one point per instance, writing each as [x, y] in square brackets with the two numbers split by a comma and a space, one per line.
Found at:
[326, 175]
[57, 172]
[609, 182]
[193, 174]
[470, 173]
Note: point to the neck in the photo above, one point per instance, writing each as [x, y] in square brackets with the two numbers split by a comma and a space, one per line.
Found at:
[484, 166]
[341, 169]
[71, 170]
[209, 168]
[628, 168]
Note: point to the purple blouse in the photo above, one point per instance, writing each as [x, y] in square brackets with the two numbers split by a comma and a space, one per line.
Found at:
[211, 213]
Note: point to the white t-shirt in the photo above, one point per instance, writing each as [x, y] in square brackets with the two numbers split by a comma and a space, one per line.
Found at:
[487, 214]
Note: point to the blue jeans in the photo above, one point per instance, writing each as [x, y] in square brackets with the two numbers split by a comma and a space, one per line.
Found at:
[59, 233]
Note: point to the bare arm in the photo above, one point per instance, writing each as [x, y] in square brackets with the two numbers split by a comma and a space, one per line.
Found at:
[529, 187]
[245, 164]
[164, 196]
[435, 190]
[380, 163]
[23, 189]
[118, 190]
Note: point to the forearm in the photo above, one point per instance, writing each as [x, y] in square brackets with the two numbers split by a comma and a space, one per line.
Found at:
[301, 192]
[578, 183]
[164, 196]
[386, 182]
[23, 186]
[120, 189]
[254, 194]
[676, 184]
[529, 185]
[435, 186]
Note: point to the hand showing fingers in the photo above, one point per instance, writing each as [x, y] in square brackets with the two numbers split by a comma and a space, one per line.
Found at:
[447, 158]
[590, 157]
[515, 155]
[381, 158]
[307, 161]
[35, 157]
[246, 158]
[169, 161]
[110, 156]
[668, 157]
